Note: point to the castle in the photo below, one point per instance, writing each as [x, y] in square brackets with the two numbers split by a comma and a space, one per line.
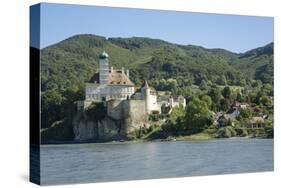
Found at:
[127, 107]
[114, 84]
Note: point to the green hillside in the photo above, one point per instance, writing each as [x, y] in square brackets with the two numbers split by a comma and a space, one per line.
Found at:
[257, 63]
[66, 66]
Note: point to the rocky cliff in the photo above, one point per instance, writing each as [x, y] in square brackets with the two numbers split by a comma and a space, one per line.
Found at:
[122, 119]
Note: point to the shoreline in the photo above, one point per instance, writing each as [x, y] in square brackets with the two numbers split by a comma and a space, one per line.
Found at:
[190, 138]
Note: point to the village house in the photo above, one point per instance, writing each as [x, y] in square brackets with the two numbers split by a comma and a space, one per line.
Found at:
[231, 115]
[256, 122]
[167, 102]
[223, 119]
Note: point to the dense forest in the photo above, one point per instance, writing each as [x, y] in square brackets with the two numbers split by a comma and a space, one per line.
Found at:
[189, 70]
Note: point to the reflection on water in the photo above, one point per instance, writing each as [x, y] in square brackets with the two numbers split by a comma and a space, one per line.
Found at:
[81, 163]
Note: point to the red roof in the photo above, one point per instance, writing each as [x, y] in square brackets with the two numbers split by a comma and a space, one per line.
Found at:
[115, 78]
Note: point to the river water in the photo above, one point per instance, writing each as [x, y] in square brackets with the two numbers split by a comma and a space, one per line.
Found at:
[100, 162]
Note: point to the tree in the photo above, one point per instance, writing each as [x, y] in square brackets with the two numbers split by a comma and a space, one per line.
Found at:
[242, 82]
[203, 85]
[198, 116]
[245, 113]
[240, 97]
[171, 84]
[222, 80]
[224, 104]
[177, 112]
[226, 92]
[256, 83]
[51, 108]
[266, 101]
[208, 100]
[267, 89]
[215, 95]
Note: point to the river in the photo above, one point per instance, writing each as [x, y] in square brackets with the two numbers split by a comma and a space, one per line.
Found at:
[100, 162]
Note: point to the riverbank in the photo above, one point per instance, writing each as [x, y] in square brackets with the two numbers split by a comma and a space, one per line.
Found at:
[156, 133]
[194, 137]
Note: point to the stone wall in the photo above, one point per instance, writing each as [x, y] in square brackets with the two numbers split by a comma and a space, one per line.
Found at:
[123, 118]
[137, 116]
[115, 109]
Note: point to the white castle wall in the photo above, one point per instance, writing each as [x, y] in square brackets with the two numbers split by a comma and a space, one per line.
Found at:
[96, 92]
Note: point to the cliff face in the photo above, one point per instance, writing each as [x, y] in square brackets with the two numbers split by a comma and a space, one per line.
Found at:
[105, 130]
[122, 119]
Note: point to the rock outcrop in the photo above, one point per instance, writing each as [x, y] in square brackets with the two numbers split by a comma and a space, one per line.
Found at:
[120, 122]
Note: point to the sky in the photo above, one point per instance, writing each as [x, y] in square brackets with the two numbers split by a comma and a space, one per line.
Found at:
[233, 33]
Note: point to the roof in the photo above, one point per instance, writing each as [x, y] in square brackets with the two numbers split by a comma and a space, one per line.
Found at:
[144, 84]
[229, 117]
[116, 77]
[168, 97]
[104, 55]
[257, 120]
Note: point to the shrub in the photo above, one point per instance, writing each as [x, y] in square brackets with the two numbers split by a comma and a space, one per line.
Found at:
[96, 112]
[58, 131]
[259, 133]
[241, 131]
[226, 132]
[269, 131]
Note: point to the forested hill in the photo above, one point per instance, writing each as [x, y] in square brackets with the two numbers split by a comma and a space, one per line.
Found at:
[74, 60]
[65, 66]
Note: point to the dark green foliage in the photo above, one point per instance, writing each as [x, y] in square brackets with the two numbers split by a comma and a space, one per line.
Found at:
[245, 113]
[173, 128]
[59, 131]
[198, 116]
[175, 123]
[266, 101]
[96, 112]
[226, 132]
[156, 117]
[258, 133]
[257, 63]
[241, 131]
[215, 95]
[266, 50]
[146, 131]
[226, 92]
[57, 105]
[265, 73]
[224, 104]
[269, 129]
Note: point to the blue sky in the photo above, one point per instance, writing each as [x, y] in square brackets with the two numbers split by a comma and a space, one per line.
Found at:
[234, 33]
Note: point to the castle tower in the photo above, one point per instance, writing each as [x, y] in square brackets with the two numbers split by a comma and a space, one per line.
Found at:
[146, 96]
[103, 68]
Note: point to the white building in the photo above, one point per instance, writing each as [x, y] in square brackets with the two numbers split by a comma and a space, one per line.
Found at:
[167, 102]
[149, 95]
[177, 101]
[108, 84]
